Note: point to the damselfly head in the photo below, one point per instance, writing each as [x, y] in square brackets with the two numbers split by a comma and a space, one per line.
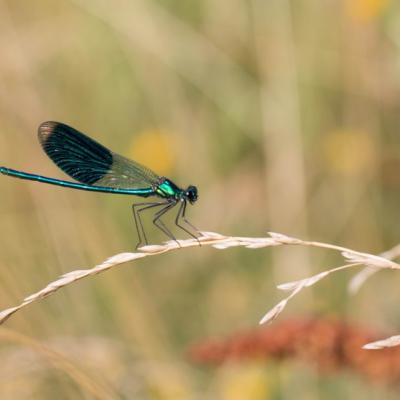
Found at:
[191, 194]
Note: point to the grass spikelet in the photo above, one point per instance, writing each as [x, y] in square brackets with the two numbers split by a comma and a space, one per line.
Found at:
[222, 242]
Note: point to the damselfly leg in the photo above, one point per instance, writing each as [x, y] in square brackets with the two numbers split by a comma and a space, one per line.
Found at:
[160, 224]
[181, 214]
[157, 221]
[138, 220]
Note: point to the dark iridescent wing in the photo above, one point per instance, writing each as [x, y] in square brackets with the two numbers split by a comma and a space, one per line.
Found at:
[89, 162]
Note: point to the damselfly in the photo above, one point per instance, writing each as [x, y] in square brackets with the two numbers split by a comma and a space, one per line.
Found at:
[98, 169]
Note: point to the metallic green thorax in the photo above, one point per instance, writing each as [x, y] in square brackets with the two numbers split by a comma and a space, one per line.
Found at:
[168, 189]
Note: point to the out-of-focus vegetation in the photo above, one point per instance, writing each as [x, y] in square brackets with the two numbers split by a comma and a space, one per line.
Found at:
[286, 116]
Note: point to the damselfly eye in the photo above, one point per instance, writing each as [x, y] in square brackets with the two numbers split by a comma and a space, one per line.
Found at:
[191, 194]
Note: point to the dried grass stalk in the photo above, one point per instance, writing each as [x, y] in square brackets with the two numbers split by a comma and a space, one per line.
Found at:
[381, 344]
[358, 280]
[218, 241]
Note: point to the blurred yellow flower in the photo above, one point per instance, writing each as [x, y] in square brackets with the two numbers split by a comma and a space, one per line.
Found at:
[154, 149]
[349, 152]
[365, 10]
[244, 382]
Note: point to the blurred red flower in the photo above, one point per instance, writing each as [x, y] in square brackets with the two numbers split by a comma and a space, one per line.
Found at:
[329, 344]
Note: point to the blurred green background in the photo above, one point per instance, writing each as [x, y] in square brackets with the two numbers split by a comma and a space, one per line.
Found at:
[285, 114]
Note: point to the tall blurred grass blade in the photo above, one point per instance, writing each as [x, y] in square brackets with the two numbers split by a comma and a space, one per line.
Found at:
[98, 169]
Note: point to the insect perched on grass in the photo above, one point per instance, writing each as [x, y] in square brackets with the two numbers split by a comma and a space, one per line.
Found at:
[100, 170]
